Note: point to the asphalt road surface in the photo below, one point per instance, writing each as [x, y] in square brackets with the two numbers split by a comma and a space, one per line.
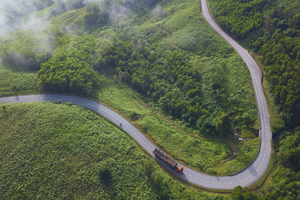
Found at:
[246, 178]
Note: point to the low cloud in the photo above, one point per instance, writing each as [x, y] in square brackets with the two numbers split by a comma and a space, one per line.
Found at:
[119, 13]
[23, 15]
[158, 11]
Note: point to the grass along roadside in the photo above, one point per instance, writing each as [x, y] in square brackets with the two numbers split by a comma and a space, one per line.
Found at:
[171, 173]
[207, 154]
[261, 182]
[15, 81]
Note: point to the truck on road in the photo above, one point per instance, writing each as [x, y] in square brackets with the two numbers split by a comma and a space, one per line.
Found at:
[171, 163]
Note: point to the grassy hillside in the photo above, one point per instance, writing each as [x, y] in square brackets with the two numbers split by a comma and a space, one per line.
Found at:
[224, 81]
[14, 81]
[57, 151]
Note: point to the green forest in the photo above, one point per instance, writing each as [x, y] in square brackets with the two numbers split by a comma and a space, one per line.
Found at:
[275, 37]
[270, 28]
[238, 17]
[160, 65]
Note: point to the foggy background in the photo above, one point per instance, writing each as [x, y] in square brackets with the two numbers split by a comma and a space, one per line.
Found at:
[26, 14]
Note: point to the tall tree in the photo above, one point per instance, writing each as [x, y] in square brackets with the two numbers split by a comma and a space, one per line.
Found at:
[223, 125]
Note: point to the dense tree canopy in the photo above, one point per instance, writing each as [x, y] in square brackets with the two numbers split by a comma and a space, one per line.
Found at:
[238, 195]
[285, 181]
[238, 17]
[280, 47]
[223, 125]
[282, 60]
[70, 69]
[174, 84]
[289, 152]
[68, 74]
[277, 38]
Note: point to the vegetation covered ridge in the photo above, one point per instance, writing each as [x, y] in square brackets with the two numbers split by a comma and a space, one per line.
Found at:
[63, 151]
[165, 51]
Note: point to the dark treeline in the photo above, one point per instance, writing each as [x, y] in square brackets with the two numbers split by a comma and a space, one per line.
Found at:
[280, 49]
[281, 59]
[238, 17]
[70, 69]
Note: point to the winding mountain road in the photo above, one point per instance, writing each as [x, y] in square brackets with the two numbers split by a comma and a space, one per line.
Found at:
[246, 178]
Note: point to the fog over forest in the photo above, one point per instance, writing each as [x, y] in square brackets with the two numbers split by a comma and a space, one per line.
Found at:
[24, 15]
